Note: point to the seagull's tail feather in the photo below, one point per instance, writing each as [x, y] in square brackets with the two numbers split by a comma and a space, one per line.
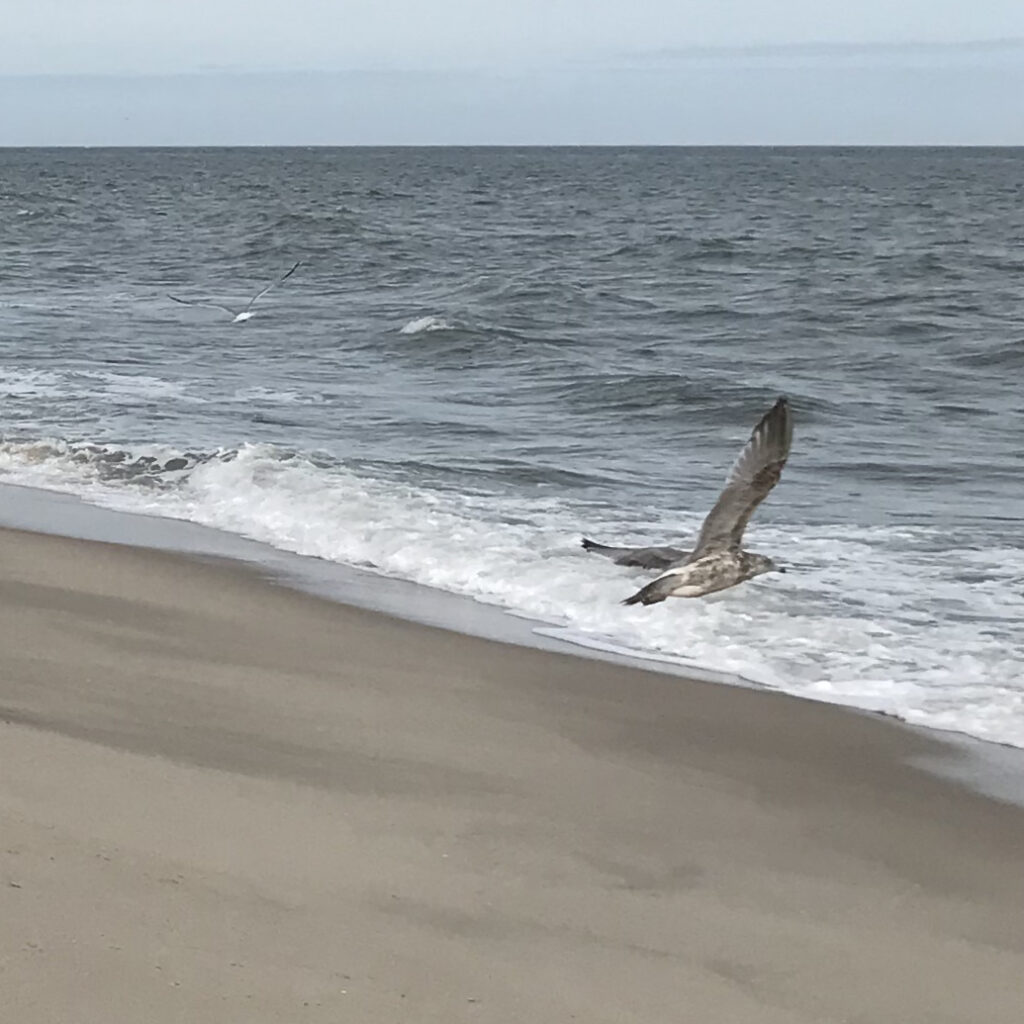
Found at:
[655, 591]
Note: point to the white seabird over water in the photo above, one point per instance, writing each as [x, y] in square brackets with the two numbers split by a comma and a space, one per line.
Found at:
[718, 560]
[239, 316]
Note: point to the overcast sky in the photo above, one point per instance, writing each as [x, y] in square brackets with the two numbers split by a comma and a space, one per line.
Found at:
[511, 71]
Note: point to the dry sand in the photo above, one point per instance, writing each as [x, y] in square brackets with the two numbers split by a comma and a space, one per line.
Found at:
[222, 801]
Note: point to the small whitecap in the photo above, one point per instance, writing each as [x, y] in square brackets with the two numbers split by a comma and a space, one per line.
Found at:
[426, 323]
[275, 396]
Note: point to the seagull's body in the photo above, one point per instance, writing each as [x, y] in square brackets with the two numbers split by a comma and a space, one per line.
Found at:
[718, 570]
[718, 561]
[239, 316]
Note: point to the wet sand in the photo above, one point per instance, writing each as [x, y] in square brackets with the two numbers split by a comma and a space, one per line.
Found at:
[224, 801]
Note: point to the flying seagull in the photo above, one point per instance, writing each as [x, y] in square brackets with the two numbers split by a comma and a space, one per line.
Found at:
[717, 560]
[240, 315]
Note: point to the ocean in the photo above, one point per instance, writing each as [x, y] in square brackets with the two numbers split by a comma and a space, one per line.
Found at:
[490, 353]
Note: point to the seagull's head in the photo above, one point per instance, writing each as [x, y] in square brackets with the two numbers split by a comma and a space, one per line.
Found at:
[758, 564]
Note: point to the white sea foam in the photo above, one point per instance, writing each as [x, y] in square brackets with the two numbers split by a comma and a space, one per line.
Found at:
[426, 323]
[878, 618]
[119, 388]
[27, 383]
[276, 396]
[129, 387]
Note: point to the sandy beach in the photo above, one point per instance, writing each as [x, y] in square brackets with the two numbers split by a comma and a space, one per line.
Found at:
[225, 801]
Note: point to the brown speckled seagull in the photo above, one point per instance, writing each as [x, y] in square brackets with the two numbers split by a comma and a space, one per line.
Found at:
[717, 560]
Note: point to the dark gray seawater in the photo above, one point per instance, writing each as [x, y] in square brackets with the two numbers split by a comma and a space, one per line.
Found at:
[488, 353]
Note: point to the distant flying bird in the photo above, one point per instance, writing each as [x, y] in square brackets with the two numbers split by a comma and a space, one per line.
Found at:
[239, 316]
[717, 560]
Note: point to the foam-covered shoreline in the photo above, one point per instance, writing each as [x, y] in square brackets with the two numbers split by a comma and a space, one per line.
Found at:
[885, 618]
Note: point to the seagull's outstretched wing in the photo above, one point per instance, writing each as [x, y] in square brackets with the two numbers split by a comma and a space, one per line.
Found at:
[204, 305]
[273, 284]
[641, 558]
[753, 475]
